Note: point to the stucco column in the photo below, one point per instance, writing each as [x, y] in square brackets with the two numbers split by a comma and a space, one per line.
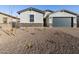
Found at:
[50, 22]
[75, 22]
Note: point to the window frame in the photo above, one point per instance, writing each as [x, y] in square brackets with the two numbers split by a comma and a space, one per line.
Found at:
[31, 18]
[5, 20]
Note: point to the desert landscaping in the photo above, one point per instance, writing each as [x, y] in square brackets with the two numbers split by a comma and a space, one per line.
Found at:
[39, 40]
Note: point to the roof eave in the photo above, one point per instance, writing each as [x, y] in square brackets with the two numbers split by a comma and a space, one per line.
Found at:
[69, 12]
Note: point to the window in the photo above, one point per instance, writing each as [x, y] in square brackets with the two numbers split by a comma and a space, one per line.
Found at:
[31, 18]
[4, 20]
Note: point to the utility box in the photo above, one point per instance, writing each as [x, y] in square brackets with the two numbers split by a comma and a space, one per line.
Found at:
[13, 24]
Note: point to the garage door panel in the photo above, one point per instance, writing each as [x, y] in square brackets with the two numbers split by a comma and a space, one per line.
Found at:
[61, 22]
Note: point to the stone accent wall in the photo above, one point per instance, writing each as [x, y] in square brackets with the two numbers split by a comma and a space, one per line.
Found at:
[31, 24]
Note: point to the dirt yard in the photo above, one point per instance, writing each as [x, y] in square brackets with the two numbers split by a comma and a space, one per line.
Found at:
[39, 41]
[71, 31]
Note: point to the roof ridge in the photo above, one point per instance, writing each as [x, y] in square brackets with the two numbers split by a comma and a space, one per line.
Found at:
[49, 10]
[30, 8]
[9, 15]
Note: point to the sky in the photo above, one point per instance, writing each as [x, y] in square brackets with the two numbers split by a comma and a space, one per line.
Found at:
[12, 9]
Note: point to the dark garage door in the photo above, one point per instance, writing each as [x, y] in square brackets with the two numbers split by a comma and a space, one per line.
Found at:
[63, 22]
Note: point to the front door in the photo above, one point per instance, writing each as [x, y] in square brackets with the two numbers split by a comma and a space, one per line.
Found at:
[44, 23]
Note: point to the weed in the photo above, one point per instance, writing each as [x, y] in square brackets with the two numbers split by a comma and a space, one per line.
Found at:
[32, 33]
[28, 45]
[56, 33]
[38, 29]
[0, 26]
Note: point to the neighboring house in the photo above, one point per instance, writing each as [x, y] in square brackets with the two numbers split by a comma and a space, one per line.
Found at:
[31, 17]
[5, 20]
[35, 18]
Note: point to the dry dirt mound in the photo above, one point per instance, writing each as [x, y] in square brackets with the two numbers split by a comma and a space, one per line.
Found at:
[41, 40]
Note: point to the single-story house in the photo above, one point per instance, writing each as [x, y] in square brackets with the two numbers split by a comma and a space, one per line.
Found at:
[36, 18]
[6, 20]
[31, 17]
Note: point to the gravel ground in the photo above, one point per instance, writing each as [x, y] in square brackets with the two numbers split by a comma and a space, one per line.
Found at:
[38, 41]
[71, 31]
